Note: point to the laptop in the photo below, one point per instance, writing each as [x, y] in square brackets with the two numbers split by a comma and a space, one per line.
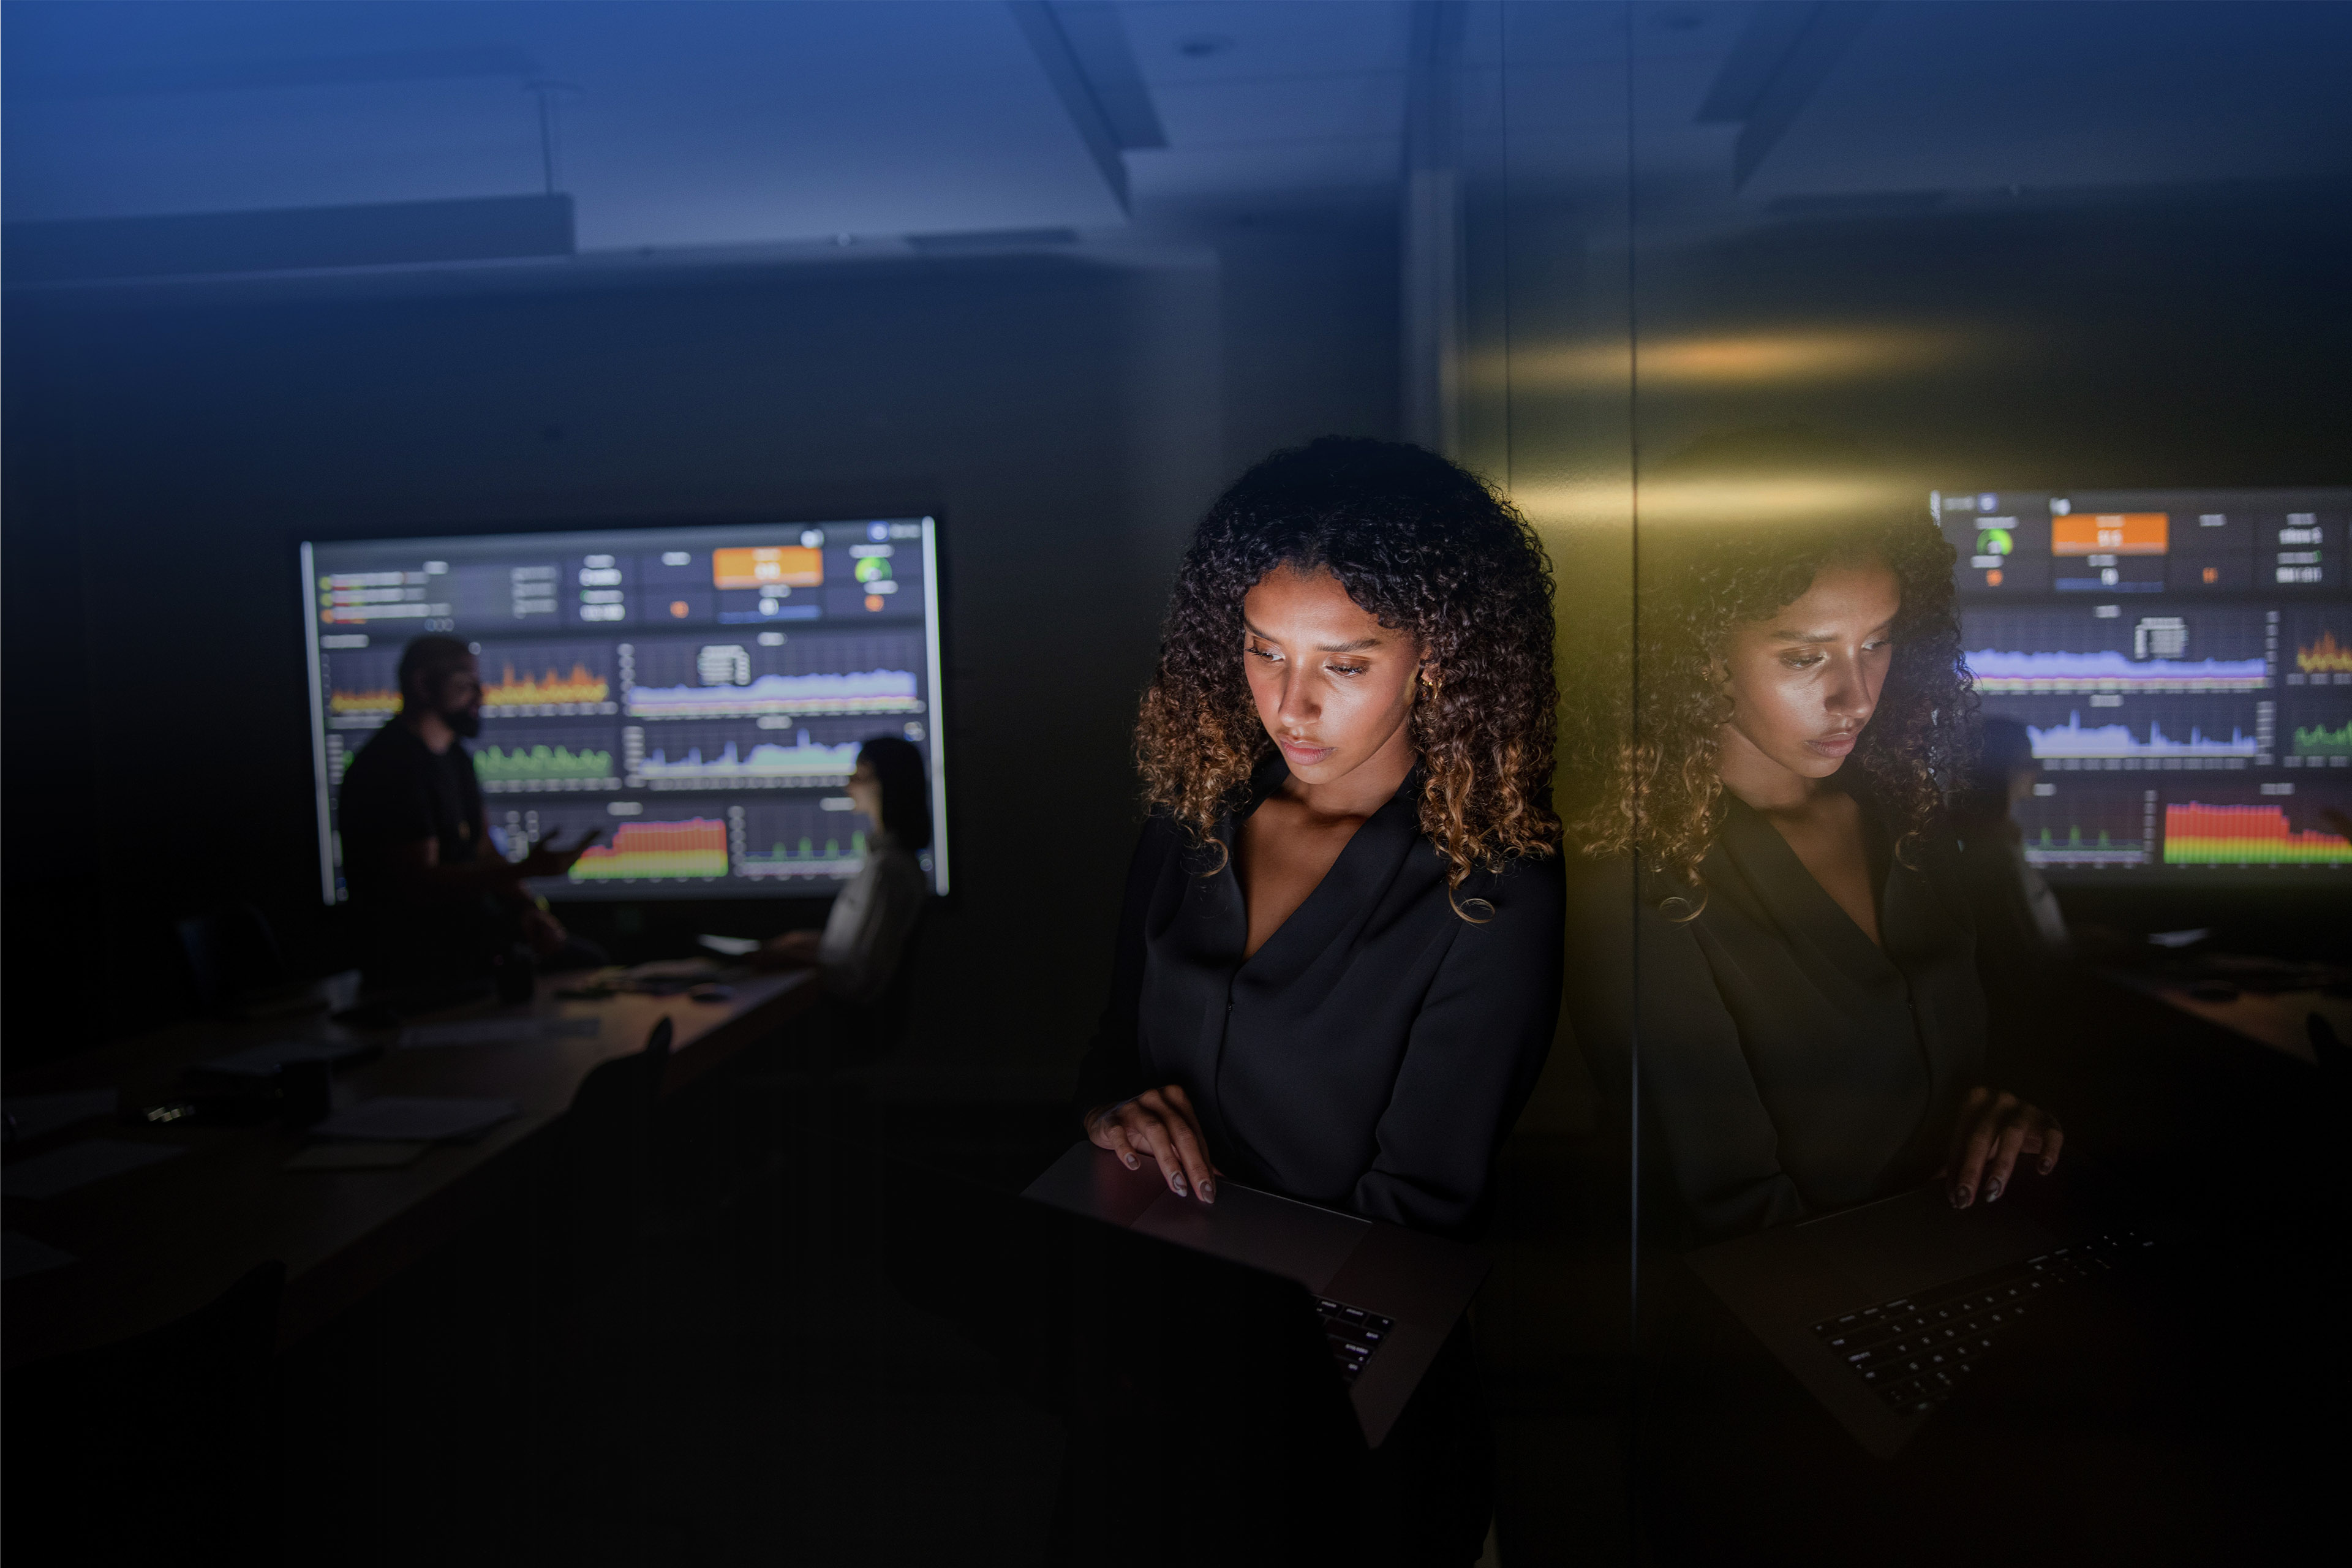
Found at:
[1387, 1297]
[1882, 1311]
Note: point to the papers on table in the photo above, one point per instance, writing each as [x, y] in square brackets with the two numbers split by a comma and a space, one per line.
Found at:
[263, 1061]
[496, 1031]
[30, 1115]
[77, 1164]
[733, 947]
[407, 1118]
[21, 1255]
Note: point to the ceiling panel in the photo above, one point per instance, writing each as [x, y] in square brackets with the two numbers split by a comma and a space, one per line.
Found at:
[1227, 113]
[1179, 41]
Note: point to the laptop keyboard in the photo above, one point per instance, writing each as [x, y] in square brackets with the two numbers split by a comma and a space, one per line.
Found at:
[1354, 1334]
[1914, 1350]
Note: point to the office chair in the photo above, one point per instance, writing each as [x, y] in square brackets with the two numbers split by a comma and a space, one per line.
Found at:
[163, 1447]
[879, 1028]
[605, 1158]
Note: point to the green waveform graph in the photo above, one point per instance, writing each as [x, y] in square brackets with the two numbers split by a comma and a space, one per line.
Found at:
[2321, 741]
[542, 765]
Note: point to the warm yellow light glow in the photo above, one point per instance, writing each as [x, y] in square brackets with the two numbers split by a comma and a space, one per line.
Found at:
[1777, 499]
[1752, 359]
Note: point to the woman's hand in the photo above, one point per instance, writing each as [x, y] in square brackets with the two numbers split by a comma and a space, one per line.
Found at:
[1995, 1128]
[1158, 1124]
[793, 950]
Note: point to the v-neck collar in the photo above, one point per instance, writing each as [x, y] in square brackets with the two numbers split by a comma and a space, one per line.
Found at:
[1364, 864]
[1748, 835]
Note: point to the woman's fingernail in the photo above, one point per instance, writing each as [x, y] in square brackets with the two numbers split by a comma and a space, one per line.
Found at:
[1129, 1160]
[1177, 1183]
[1959, 1198]
[1208, 1192]
[1992, 1192]
[2046, 1164]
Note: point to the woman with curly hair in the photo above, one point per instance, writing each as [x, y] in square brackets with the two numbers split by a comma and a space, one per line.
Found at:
[1338, 964]
[1769, 894]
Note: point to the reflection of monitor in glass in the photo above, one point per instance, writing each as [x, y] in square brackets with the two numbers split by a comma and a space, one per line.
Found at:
[697, 694]
[2182, 661]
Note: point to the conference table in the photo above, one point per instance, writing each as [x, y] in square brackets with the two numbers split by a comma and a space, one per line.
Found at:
[150, 1244]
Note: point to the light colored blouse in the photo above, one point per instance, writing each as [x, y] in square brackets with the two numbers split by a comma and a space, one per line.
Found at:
[866, 932]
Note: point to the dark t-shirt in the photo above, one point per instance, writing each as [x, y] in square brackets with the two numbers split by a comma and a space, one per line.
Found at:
[395, 792]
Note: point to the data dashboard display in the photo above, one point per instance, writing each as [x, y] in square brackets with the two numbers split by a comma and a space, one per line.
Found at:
[696, 694]
[2182, 663]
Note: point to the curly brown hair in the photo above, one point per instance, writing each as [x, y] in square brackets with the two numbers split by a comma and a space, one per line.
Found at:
[1425, 547]
[1646, 732]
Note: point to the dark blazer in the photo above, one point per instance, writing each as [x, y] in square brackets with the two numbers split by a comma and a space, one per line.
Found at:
[1789, 1066]
[1374, 1052]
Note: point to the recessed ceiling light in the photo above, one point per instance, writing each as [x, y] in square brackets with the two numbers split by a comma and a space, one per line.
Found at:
[1202, 45]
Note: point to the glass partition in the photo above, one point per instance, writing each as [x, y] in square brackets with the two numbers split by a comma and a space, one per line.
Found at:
[1935, 414]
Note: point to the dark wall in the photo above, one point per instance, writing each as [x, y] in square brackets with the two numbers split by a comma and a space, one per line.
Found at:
[167, 452]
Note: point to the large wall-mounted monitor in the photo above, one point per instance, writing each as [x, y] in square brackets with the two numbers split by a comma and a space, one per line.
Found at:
[699, 694]
[2182, 661]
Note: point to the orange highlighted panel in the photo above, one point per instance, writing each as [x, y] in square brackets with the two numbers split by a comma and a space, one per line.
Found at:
[2111, 533]
[768, 566]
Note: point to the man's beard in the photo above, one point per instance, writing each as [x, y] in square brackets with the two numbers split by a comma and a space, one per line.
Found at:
[466, 721]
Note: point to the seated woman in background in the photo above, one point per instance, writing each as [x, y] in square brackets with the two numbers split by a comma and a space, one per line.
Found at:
[1769, 888]
[1338, 964]
[866, 931]
[2017, 915]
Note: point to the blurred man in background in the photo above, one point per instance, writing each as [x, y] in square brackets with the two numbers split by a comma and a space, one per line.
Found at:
[438, 899]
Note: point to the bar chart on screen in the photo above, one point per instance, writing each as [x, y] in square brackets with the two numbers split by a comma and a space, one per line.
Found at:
[2139, 742]
[2198, 832]
[2086, 825]
[808, 675]
[544, 763]
[707, 760]
[542, 681]
[693, 847]
[820, 837]
[2322, 650]
[2103, 650]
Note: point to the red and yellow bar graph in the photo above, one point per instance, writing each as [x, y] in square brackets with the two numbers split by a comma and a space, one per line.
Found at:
[581, 685]
[381, 701]
[2196, 834]
[2324, 656]
[695, 847]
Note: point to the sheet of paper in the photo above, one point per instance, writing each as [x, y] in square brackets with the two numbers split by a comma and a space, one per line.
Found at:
[733, 947]
[30, 1115]
[21, 1255]
[261, 1061]
[77, 1164]
[388, 1156]
[405, 1118]
[495, 1031]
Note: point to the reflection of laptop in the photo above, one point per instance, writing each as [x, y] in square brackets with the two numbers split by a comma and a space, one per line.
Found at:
[1388, 1295]
[1882, 1310]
